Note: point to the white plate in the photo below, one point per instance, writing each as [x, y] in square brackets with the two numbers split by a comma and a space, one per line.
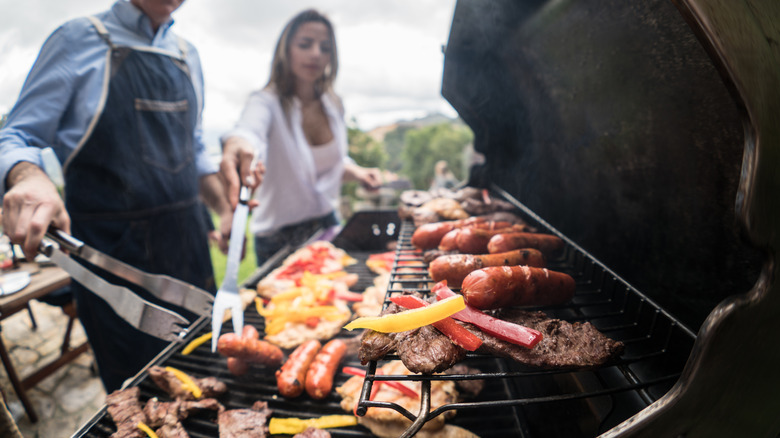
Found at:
[13, 282]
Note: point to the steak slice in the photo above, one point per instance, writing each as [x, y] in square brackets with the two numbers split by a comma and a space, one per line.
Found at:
[426, 350]
[124, 407]
[245, 423]
[564, 345]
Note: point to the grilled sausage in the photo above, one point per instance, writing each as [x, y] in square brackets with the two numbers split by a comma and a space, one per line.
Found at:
[474, 240]
[455, 267]
[428, 236]
[506, 286]
[546, 243]
[250, 350]
[290, 379]
[319, 377]
[449, 242]
[236, 366]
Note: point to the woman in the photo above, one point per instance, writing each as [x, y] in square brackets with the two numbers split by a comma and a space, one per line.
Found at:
[295, 128]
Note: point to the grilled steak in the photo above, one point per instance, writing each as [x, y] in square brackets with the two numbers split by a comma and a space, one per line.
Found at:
[171, 384]
[313, 432]
[424, 350]
[124, 407]
[563, 345]
[245, 423]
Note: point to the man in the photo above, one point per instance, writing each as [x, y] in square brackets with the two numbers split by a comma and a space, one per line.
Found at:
[119, 98]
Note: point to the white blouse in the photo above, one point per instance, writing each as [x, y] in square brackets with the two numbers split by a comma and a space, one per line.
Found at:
[294, 189]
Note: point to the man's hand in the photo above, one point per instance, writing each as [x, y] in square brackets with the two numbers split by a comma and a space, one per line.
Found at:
[30, 206]
[239, 166]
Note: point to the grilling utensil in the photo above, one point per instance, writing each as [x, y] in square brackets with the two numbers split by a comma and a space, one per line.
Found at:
[145, 316]
[227, 295]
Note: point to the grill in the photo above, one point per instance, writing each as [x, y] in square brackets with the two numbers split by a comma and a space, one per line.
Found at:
[629, 129]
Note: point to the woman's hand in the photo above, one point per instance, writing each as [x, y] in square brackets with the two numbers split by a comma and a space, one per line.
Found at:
[30, 206]
[239, 166]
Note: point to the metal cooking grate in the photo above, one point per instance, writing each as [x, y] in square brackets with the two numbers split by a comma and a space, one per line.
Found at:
[562, 403]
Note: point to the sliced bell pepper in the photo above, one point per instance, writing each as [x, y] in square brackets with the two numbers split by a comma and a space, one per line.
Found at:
[348, 296]
[186, 381]
[405, 390]
[410, 319]
[457, 333]
[147, 430]
[195, 343]
[508, 331]
[291, 426]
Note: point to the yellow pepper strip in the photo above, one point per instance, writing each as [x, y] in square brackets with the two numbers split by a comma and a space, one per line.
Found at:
[197, 342]
[410, 319]
[291, 426]
[287, 295]
[148, 430]
[186, 381]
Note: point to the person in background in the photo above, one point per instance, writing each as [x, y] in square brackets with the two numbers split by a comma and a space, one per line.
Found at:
[295, 127]
[443, 178]
[118, 96]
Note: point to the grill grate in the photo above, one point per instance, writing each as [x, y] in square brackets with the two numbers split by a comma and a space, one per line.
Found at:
[563, 403]
[520, 401]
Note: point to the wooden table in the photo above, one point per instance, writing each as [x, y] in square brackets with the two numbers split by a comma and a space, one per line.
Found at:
[43, 281]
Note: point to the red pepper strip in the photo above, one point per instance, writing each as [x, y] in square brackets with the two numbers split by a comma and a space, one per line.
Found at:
[508, 331]
[405, 390]
[457, 333]
[348, 296]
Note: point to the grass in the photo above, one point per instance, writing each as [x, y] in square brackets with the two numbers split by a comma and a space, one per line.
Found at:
[219, 261]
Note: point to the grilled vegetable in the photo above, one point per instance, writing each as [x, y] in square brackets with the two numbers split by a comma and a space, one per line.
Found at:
[410, 319]
[457, 333]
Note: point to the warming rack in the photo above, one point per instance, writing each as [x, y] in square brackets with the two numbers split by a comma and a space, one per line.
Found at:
[657, 346]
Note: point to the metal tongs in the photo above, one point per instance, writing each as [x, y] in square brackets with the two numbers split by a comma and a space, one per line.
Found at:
[138, 312]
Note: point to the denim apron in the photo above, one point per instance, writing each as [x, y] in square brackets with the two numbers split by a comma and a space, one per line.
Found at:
[131, 189]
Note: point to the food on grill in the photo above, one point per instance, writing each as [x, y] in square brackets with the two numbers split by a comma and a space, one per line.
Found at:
[381, 263]
[313, 309]
[317, 258]
[319, 376]
[180, 386]
[428, 236]
[504, 286]
[299, 426]
[290, 379]
[249, 349]
[547, 243]
[373, 297]
[474, 240]
[457, 334]
[124, 407]
[432, 254]
[505, 330]
[312, 432]
[455, 267]
[415, 198]
[422, 350]
[245, 423]
[388, 422]
[563, 345]
[410, 319]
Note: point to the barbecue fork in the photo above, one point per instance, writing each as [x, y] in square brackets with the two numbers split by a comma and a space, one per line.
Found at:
[227, 295]
[143, 315]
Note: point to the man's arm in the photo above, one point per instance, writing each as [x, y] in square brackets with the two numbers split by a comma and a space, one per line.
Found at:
[30, 205]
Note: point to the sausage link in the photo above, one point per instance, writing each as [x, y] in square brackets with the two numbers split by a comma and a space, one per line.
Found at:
[236, 366]
[250, 350]
[474, 240]
[428, 236]
[455, 267]
[319, 377]
[546, 243]
[506, 286]
[290, 379]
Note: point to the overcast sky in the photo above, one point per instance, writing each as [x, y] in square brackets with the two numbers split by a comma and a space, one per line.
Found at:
[390, 52]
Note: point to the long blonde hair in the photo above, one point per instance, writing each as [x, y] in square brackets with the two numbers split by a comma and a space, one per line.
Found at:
[282, 79]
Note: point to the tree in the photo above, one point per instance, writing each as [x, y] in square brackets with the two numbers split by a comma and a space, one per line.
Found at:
[425, 146]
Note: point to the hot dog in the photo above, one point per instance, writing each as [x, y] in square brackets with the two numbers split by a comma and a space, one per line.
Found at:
[455, 267]
[319, 377]
[546, 243]
[236, 366]
[290, 379]
[449, 242]
[506, 286]
[249, 349]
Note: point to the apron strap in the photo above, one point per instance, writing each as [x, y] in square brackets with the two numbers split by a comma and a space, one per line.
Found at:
[101, 30]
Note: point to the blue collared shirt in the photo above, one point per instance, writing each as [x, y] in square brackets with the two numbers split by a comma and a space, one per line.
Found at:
[63, 89]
